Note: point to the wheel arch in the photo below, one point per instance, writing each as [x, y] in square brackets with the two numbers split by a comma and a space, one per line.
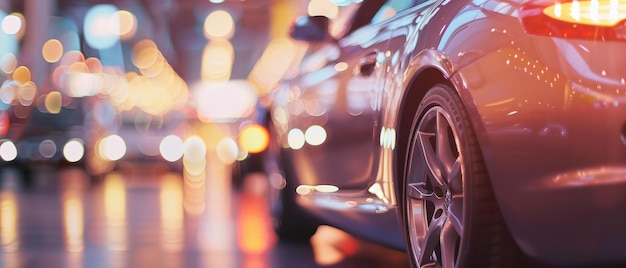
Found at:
[414, 92]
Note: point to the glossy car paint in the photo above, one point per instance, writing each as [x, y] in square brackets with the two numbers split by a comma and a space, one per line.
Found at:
[549, 113]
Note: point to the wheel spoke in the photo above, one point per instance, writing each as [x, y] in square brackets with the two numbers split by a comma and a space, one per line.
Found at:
[417, 191]
[431, 240]
[445, 151]
[449, 238]
[455, 177]
[432, 159]
[455, 213]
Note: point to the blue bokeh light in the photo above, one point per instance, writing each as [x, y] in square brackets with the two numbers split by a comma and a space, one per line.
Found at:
[101, 27]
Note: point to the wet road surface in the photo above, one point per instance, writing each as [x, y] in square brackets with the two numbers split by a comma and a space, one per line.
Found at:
[144, 215]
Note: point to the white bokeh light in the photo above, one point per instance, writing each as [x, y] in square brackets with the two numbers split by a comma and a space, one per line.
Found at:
[295, 139]
[8, 151]
[171, 148]
[315, 135]
[194, 156]
[112, 148]
[73, 151]
[11, 24]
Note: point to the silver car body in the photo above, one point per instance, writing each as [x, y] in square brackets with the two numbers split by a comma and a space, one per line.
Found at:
[549, 114]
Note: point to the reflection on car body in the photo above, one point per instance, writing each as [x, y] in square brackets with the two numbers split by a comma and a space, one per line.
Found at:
[467, 132]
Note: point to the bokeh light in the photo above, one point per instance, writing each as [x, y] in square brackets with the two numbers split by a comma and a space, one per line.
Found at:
[8, 151]
[12, 24]
[295, 139]
[47, 148]
[315, 135]
[145, 54]
[219, 24]
[74, 150]
[112, 148]
[128, 24]
[224, 101]
[156, 89]
[194, 157]
[171, 148]
[21, 75]
[72, 57]
[101, 26]
[227, 150]
[52, 50]
[5, 122]
[272, 65]
[53, 102]
[27, 93]
[8, 91]
[8, 63]
[82, 84]
[254, 138]
[94, 65]
[217, 61]
[195, 149]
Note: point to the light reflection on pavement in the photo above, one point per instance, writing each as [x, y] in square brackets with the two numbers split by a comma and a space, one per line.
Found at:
[148, 216]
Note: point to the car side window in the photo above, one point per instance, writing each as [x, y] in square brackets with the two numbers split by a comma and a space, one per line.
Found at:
[391, 8]
[364, 14]
[368, 12]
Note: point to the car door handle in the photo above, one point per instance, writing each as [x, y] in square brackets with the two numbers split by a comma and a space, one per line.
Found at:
[368, 64]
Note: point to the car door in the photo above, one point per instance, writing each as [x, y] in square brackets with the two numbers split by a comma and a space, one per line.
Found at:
[332, 105]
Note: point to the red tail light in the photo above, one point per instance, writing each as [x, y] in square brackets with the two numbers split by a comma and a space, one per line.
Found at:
[586, 19]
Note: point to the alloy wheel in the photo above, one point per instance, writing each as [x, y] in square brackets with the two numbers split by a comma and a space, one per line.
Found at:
[434, 192]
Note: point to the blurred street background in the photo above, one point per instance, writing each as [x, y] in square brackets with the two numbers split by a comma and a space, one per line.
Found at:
[120, 122]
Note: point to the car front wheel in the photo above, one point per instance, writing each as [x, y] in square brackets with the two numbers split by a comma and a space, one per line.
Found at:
[450, 214]
[292, 223]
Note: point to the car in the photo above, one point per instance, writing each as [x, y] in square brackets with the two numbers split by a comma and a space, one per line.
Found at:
[42, 131]
[134, 137]
[468, 133]
[53, 138]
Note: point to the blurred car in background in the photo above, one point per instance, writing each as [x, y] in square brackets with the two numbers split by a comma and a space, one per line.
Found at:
[470, 133]
[41, 128]
[53, 139]
[140, 137]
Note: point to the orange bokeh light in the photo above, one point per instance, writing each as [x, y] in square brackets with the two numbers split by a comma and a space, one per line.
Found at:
[52, 50]
[219, 25]
[254, 138]
[21, 75]
[128, 24]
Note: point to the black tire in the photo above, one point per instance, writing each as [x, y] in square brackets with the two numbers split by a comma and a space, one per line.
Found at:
[450, 214]
[292, 223]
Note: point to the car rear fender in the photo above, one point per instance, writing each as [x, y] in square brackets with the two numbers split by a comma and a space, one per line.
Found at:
[428, 68]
